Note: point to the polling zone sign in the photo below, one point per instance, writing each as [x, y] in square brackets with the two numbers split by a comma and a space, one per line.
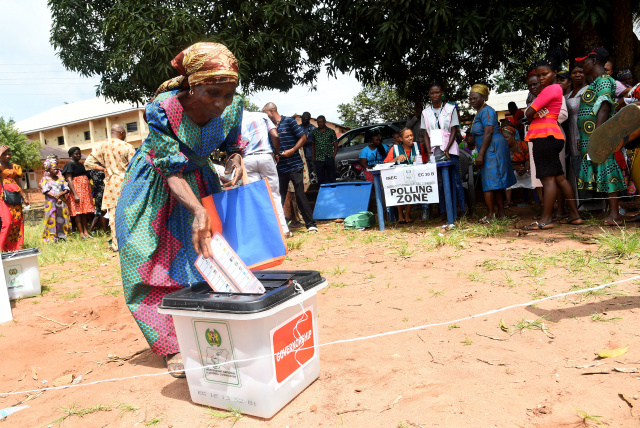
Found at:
[410, 184]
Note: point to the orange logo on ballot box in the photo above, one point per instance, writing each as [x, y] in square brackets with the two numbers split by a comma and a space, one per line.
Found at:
[293, 345]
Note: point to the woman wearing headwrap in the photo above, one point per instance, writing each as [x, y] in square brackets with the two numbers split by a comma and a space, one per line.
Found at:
[161, 224]
[494, 157]
[12, 232]
[80, 199]
[56, 213]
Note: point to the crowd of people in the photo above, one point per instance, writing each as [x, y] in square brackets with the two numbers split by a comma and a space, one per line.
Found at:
[152, 197]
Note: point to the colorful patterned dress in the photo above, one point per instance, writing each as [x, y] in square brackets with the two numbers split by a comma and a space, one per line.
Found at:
[154, 229]
[56, 214]
[607, 176]
[12, 237]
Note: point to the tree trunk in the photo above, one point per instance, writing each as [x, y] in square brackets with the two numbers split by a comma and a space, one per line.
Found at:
[583, 37]
[622, 36]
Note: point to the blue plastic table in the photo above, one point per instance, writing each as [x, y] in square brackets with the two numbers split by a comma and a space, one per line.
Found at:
[450, 200]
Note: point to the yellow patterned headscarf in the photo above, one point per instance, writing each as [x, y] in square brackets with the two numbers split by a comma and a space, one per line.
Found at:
[202, 64]
[481, 89]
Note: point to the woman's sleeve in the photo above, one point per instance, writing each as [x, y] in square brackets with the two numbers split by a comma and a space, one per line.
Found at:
[362, 154]
[488, 118]
[605, 94]
[18, 170]
[67, 169]
[544, 98]
[232, 119]
[166, 156]
[44, 184]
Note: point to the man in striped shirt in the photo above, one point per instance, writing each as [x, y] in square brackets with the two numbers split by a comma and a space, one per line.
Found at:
[258, 154]
[292, 139]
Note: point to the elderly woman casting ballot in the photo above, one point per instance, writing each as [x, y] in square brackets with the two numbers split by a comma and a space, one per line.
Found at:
[161, 224]
[494, 157]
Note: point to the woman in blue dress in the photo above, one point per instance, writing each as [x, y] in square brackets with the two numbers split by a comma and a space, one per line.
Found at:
[494, 157]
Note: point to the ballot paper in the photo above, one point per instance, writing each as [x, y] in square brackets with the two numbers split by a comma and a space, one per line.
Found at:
[225, 272]
[437, 137]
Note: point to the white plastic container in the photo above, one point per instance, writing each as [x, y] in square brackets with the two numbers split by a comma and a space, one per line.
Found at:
[266, 383]
[21, 273]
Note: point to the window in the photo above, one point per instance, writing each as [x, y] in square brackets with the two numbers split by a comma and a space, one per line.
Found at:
[87, 135]
[132, 127]
[61, 141]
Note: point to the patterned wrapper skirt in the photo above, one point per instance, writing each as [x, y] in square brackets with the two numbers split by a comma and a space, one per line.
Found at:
[83, 188]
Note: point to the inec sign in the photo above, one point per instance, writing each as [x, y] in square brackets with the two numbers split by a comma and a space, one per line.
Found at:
[410, 184]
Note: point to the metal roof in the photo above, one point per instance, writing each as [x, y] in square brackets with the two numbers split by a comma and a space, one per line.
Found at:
[69, 114]
[499, 102]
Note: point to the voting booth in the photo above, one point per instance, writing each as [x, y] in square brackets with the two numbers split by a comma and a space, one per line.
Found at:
[410, 184]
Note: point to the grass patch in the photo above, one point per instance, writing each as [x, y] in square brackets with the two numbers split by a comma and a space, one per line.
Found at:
[214, 416]
[404, 251]
[72, 295]
[73, 410]
[601, 317]
[538, 324]
[475, 276]
[335, 285]
[435, 293]
[338, 271]
[467, 341]
[296, 243]
[587, 417]
[538, 294]
[113, 291]
[452, 326]
[625, 244]
[126, 408]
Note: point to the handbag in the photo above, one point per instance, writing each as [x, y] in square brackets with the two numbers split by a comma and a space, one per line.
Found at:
[11, 197]
[247, 219]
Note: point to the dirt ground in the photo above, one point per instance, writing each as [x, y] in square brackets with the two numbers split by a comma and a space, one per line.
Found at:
[533, 366]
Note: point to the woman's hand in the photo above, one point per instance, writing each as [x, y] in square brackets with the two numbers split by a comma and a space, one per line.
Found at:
[480, 160]
[76, 197]
[446, 152]
[401, 158]
[201, 237]
[233, 163]
[542, 113]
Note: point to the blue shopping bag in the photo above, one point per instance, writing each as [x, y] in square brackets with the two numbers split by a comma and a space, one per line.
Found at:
[246, 217]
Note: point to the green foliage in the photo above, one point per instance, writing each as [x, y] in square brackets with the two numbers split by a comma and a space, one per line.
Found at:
[130, 44]
[378, 102]
[250, 106]
[281, 43]
[23, 152]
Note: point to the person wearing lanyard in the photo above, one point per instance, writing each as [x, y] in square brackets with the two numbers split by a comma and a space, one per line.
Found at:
[440, 121]
[404, 153]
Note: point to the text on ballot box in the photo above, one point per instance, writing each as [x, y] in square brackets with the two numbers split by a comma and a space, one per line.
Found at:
[410, 184]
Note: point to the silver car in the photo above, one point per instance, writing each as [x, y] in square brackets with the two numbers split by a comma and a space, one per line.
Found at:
[352, 142]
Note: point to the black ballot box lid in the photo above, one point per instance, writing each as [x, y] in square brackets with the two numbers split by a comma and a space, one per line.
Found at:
[278, 284]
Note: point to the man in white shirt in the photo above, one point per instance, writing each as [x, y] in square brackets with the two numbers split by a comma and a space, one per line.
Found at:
[259, 145]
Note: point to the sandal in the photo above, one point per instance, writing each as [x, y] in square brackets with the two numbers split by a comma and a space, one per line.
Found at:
[539, 226]
[576, 221]
[175, 365]
[612, 223]
[402, 222]
[485, 220]
[634, 219]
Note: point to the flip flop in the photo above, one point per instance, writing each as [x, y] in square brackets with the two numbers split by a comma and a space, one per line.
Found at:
[612, 223]
[634, 219]
[614, 134]
[484, 220]
[175, 365]
[539, 226]
[573, 222]
[402, 222]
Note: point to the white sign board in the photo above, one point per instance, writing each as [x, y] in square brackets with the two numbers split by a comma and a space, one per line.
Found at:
[5, 306]
[410, 184]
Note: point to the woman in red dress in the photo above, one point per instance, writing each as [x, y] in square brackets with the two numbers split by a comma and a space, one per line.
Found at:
[80, 199]
[12, 231]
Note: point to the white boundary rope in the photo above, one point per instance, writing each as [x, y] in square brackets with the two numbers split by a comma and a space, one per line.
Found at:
[356, 339]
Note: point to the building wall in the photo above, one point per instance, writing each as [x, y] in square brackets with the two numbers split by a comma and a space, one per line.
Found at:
[74, 134]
